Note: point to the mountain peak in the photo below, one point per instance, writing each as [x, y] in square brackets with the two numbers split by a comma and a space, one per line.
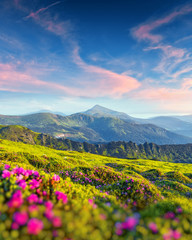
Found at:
[100, 111]
[100, 108]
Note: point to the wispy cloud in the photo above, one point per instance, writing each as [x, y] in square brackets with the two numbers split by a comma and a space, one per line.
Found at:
[168, 50]
[103, 82]
[182, 71]
[13, 80]
[60, 28]
[94, 81]
[35, 15]
[172, 99]
[172, 58]
[184, 39]
[11, 41]
[144, 31]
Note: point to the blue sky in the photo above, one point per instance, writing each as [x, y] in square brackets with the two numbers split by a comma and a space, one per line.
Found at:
[66, 56]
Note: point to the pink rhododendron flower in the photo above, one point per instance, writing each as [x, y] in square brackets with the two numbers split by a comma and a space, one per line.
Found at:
[20, 218]
[33, 198]
[22, 184]
[15, 226]
[16, 200]
[176, 234]
[92, 203]
[19, 177]
[33, 208]
[130, 223]
[29, 173]
[169, 215]
[7, 166]
[179, 210]
[36, 174]
[62, 196]
[34, 226]
[172, 234]
[49, 214]
[49, 205]
[20, 171]
[56, 178]
[6, 174]
[153, 227]
[103, 216]
[56, 221]
[34, 184]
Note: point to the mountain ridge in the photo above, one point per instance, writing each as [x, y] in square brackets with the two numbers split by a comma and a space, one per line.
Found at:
[96, 128]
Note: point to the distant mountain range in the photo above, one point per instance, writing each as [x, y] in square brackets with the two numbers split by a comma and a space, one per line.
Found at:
[130, 150]
[100, 124]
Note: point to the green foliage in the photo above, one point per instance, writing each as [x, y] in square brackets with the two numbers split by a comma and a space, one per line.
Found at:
[178, 176]
[152, 174]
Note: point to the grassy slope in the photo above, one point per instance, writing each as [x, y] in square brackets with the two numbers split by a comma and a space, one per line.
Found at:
[72, 158]
[172, 153]
[171, 180]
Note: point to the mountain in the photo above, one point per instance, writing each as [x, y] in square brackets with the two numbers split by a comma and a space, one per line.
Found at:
[181, 125]
[83, 127]
[114, 129]
[99, 111]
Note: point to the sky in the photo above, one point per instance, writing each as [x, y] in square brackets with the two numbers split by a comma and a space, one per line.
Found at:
[69, 55]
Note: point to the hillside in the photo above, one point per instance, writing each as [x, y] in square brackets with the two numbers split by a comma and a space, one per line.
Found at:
[187, 118]
[50, 194]
[130, 150]
[82, 127]
[173, 124]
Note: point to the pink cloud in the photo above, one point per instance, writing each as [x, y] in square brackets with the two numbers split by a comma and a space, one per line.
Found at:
[15, 81]
[143, 32]
[169, 50]
[35, 15]
[102, 82]
[166, 94]
[61, 29]
[172, 100]
[182, 71]
[161, 93]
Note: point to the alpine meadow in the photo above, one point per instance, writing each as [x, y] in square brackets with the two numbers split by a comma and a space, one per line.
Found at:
[95, 120]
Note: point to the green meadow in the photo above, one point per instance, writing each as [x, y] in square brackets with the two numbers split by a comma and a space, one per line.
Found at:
[52, 194]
